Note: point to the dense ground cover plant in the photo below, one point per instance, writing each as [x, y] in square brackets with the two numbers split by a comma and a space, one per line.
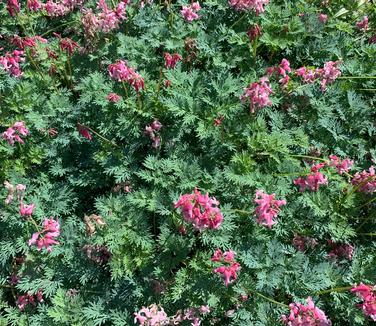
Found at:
[171, 163]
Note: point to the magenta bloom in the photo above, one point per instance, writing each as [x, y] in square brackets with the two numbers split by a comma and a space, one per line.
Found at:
[365, 181]
[119, 71]
[367, 294]
[113, 97]
[68, 45]
[323, 18]
[340, 250]
[258, 94]
[329, 73]
[341, 165]
[26, 210]
[229, 268]
[46, 238]
[302, 243]
[307, 315]
[243, 5]
[151, 316]
[313, 180]
[84, 132]
[254, 32]
[267, 209]
[11, 62]
[34, 5]
[200, 210]
[171, 60]
[190, 12]
[13, 7]
[363, 24]
[13, 134]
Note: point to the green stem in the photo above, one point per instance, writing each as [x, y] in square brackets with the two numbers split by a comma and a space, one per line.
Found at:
[339, 289]
[239, 20]
[357, 77]
[270, 299]
[125, 90]
[310, 157]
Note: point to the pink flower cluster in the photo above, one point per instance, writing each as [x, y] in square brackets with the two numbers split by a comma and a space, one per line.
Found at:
[307, 315]
[29, 299]
[34, 5]
[268, 208]
[20, 188]
[190, 314]
[68, 45]
[365, 181]
[281, 70]
[302, 242]
[258, 94]
[230, 267]
[341, 165]
[13, 134]
[323, 18]
[113, 97]
[120, 71]
[151, 131]
[200, 210]
[367, 294]
[254, 32]
[26, 210]
[151, 316]
[340, 250]
[106, 20]
[60, 8]
[27, 42]
[313, 180]
[255, 5]
[363, 24]
[190, 12]
[171, 60]
[13, 7]
[84, 131]
[46, 238]
[11, 62]
[327, 75]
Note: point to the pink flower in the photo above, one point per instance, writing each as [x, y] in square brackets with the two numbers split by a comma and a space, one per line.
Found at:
[45, 238]
[29, 299]
[307, 315]
[255, 5]
[342, 250]
[54, 9]
[167, 83]
[151, 316]
[34, 5]
[25, 42]
[323, 18]
[258, 94]
[341, 165]
[329, 73]
[367, 294]
[13, 134]
[301, 242]
[84, 132]
[119, 71]
[254, 32]
[308, 75]
[267, 209]
[313, 180]
[171, 60]
[365, 181]
[363, 24]
[230, 267]
[228, 273]
[26, 210]
[113, 97]
[151, 130]
[190, 12]
[284, 67]
[156, 125]
[13, 7]
[68, 45]
[200, 210]
[11, 62]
